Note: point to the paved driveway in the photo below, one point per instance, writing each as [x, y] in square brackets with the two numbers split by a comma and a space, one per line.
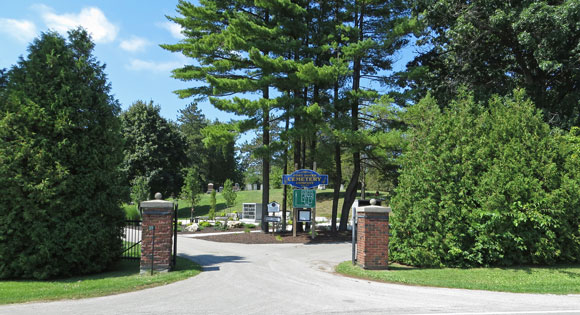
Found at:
[294, 279]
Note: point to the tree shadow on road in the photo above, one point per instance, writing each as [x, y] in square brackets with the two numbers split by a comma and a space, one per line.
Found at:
[212, 262]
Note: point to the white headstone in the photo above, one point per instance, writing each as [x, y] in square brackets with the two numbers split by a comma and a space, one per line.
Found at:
[255, 187]
[341, 187]
[248, 186]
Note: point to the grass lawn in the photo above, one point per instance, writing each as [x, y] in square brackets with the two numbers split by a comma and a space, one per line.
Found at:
[124, 278]
[555, 280]
[323, 202]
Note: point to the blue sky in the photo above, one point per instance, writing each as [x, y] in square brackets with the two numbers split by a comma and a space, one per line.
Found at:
[127, 34]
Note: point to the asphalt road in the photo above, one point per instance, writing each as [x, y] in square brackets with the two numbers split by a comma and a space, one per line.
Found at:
[294, 279]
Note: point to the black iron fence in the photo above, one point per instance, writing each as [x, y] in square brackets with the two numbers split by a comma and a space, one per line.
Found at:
[175, 227]
[132, 240]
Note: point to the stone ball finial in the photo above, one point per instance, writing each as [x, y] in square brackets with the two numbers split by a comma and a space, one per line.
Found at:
[373, 202]
[158, 196]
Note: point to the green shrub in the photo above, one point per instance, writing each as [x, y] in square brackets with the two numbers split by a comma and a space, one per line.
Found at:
[131, 213]
[212, 205]
[60, 152]
[229, 194]
[204, 224]
[486, 185]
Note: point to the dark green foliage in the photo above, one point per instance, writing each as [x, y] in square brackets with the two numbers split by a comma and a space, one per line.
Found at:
[229, 194]
[192, 187]
[212, 204]
[495, 46]
[209, 147]
[60, 153]
[221, 163]
[140, 190]
[485, 185]
[153, 148]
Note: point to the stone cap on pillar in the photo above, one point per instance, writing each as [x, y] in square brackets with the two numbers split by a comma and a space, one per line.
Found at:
[373, 208]
[157, 203]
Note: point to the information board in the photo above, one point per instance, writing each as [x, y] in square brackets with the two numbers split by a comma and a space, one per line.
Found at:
[304, 198]
[304, 216]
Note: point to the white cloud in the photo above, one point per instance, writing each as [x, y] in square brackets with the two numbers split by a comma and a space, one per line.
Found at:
[134, 44]
[22, 30]
[138, 65]
[173, 28]
[91, 18]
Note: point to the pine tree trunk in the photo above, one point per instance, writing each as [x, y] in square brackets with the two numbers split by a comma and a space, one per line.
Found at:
[350, 194]
[265, 164]
[285, 192]
[337, 180]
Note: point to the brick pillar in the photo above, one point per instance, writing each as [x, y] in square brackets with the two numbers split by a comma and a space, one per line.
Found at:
[158, 222]
[373, 237]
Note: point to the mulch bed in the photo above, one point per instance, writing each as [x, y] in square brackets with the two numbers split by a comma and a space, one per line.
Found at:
[211, 229]
[278, 238]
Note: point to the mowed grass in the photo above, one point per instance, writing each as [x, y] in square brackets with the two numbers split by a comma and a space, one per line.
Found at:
[124, 278]
[554, 280]
[323, 202]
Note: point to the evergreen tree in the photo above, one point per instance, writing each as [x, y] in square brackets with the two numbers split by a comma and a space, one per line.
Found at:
[60, 154]
[485, 185]
[191, 123]
[233, 43]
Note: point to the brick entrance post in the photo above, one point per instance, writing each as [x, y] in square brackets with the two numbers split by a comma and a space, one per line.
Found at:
[157, 234]
[373, 236]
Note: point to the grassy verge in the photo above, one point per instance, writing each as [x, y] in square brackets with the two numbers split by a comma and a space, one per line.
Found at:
[555, 280]
[124, 278]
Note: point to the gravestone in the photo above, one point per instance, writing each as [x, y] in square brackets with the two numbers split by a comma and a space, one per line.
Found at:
[221, 189]
[341, 187]
[237, 187]
[261, 186]
[255, 187]
[209, 188]
[248, 186]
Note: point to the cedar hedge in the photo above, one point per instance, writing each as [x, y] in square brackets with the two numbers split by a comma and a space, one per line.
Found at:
[60, 153]
[486, 184]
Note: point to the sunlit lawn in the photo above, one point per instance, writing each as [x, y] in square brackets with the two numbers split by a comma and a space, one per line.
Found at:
[556, 279]
[124, 278]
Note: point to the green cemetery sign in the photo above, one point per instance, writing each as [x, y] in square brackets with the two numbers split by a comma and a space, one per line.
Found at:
[304, 198]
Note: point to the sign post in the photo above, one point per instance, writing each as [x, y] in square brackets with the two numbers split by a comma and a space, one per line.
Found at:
[303, 197]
